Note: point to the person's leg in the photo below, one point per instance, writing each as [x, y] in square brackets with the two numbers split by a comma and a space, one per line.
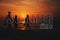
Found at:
[28, 26]
[9, 27]
[16, 25]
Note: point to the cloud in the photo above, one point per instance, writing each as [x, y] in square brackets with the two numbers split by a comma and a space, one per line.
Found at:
[31, 2]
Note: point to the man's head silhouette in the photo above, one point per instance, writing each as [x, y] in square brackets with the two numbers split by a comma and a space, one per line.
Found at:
[27, 15]
[9, 13]
[15, 16]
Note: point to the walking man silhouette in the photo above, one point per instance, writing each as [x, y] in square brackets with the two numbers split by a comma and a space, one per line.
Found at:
[15, 22]
[9, 20]
[27, 21]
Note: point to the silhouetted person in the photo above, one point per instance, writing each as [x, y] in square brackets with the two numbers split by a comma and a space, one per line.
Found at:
[15, 22]
[9, 20]
[27, 21]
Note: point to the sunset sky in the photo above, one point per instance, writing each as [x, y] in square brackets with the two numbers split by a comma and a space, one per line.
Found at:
[23, 7]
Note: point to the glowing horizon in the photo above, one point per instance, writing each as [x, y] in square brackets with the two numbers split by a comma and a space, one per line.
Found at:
[23, 7]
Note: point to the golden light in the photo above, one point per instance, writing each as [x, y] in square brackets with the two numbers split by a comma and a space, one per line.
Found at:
[23, 15]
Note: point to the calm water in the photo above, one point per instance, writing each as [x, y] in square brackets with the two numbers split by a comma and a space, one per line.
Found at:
[32, 26]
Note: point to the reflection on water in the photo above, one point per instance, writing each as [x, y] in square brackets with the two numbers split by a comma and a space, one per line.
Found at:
[21, 27]
[35, 26]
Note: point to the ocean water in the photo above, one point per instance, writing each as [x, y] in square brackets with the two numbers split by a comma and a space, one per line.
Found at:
[35, 26]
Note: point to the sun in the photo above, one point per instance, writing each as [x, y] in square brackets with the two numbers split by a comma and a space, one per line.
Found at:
[23, 15]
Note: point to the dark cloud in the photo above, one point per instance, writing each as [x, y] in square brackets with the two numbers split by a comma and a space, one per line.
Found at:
[38, 2]
[10, 0]
[34, 3]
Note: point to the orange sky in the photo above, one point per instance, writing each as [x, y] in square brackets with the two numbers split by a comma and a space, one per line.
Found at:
[23, 7]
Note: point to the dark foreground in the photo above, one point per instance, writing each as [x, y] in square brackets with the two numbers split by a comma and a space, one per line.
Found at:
[29, 35]
[6, 34]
